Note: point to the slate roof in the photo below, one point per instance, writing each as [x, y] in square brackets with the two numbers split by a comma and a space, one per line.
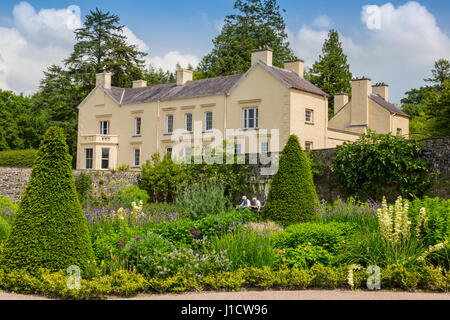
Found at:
[204, 87]
[386, 105]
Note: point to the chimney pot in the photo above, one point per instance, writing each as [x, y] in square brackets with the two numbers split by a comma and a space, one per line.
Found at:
[381, 89]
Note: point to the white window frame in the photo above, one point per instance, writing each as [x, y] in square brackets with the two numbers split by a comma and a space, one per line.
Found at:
[264, 146]
[210, 121]
[105, 159]
[310, 144]
[169, 116]
[137, 125]
[311, 116]
[138, 151]
[187, 123]
[246, 118]
[91, 159]
[104, 129]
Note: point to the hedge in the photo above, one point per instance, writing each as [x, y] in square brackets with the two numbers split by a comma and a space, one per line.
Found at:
[124, 283]
[17, 158]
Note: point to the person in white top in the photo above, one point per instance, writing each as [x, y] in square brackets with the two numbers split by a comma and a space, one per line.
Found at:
[256, 204]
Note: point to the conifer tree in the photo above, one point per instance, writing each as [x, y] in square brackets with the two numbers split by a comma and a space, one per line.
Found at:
[258, 23]
[292, 196]
[49, 230]
[331, 72]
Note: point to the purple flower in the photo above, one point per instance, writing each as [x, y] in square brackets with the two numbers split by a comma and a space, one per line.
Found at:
[120, 245]
[131, 249]
[138, 239]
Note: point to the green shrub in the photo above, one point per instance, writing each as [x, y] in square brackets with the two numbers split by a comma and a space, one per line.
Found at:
[162, 208]
[161, 178]
[83, 184]
[305, 256]
[49, 229]
[330, 236]
[201, 199]
[128, 195]
[381, 164]
[292, 194]
[4, 229]
[17, 158]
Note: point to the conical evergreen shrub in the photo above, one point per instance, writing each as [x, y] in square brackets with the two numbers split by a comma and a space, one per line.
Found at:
[292, 194]
[49, 230]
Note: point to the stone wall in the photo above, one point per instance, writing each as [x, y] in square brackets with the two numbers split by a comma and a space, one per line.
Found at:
[14, 180]
[435, 151]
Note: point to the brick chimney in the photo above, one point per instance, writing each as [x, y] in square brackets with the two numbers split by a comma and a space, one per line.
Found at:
[295, 64]
[139, 84]
[103, 79]
[183, 76]
[340, 100]
[360, 101]
[382, 89]
[265, 54]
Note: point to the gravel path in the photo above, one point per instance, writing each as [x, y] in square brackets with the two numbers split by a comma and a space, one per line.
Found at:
[272, 295]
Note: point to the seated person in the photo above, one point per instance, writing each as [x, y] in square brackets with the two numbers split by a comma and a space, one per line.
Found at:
[256, 204]
[245, 203]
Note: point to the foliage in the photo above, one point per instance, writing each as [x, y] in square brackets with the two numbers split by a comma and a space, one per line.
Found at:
[245, 247]
[7, 204]
[428, 106]
[305, 256]
[330, 236]
[158, 76]
[22, 125]
[257, 23]
[83, 184]
[17, 158]
[438, 216]
[395, 242]
[128, 195]
[201, 199]
[292, 193]
[378, 164]
[49, 229]
[4, 229]
[331, 72]
[160, 178]
[101, 45]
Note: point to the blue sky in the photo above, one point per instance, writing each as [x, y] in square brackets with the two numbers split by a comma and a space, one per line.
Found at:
[413, 35]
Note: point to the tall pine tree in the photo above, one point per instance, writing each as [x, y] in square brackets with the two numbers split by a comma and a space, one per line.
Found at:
[257, 23]
[332, 72]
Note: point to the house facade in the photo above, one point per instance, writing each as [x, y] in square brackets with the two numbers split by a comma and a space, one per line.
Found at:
[253, 112]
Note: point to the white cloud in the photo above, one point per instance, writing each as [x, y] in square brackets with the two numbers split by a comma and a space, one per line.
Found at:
[132, 39]
[170, 60]
[322, 21]
[35, 41]
[398, 45]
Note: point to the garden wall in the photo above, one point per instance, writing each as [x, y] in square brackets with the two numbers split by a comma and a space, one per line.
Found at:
[435, 151]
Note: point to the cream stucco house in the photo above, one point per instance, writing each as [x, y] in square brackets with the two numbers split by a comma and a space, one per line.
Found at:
[254, 112]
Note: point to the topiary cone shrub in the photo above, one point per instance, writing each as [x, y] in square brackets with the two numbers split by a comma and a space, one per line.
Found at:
[50, 230]
[292, 194]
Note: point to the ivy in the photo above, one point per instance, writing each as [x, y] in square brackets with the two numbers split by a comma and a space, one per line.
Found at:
[381, 164]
